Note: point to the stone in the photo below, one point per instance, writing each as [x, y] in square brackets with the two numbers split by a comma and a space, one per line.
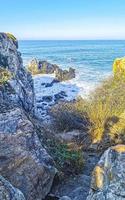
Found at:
[108, 177]
[64, 75]
[23, 160]
[8, 192]
[21, 81]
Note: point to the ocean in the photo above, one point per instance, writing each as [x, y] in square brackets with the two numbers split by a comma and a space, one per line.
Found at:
[92, 59]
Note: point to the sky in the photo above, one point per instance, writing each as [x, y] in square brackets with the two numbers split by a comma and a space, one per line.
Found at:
[63, 19]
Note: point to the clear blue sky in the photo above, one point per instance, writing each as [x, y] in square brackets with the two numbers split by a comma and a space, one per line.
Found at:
[63, 19]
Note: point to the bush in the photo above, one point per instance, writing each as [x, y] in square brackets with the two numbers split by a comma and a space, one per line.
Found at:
[5, 75]
[105, 107]
[67, 161]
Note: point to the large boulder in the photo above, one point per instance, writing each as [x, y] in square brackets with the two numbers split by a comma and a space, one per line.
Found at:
[108, 180]
[21, 80]
[8, 192]
[23, 160]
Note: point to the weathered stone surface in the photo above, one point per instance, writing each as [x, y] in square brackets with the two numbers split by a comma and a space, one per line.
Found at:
[23, 161]
[8, 192]
[21, 81]
[108, 181]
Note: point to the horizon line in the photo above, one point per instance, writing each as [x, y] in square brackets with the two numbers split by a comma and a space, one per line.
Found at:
[70, 39]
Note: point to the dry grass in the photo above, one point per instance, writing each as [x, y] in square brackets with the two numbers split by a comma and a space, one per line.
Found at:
[103, 112]
[105, 108]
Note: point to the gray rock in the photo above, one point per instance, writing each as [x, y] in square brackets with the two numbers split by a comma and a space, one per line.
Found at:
[21, 81]
[8, 192]
[108, 180]
[23, 161]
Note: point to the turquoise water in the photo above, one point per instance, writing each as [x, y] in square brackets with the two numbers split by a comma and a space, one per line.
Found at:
[91, 59]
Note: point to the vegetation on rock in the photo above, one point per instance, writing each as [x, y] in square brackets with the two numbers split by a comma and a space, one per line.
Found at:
[5, 76]
[67, 160]
[11, 36]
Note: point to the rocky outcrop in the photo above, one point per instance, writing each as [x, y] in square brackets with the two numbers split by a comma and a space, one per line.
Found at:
[108, 178]
[43, 67]
[8, 192]
[64, 75]
[21, 81]
[23, 161]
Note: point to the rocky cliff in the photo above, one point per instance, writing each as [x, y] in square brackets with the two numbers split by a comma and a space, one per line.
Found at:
[23, 160]
[21, 81]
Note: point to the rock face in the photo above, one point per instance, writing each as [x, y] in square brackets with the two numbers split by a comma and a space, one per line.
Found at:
[21, 81]
[109, 176]
[8, 192]
[23, 161]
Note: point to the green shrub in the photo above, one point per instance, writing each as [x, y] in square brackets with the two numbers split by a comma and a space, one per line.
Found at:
[67, 160]
[5, 76]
